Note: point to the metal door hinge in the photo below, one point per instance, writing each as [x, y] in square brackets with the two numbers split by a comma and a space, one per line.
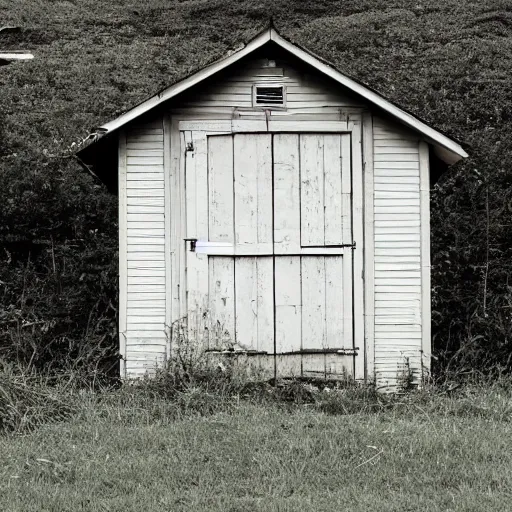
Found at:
[190, 146]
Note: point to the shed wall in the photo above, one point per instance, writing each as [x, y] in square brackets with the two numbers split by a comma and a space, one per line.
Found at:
[397, 232]
[142, 256]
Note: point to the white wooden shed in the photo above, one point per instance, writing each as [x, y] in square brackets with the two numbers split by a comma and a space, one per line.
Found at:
[283, 208]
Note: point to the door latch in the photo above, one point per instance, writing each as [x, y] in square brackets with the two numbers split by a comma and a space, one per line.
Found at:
[193, 242]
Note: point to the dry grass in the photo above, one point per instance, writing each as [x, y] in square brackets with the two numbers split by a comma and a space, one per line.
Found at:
[291, 447]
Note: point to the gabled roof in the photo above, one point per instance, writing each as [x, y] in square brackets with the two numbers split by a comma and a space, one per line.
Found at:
[447, 149]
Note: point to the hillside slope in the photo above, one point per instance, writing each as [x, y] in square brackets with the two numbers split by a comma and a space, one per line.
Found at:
[448, 61]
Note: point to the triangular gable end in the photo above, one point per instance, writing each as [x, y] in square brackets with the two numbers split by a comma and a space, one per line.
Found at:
[447, 149]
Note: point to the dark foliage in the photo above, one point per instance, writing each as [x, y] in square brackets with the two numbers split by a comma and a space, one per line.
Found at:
[58, 267]
[448, 61]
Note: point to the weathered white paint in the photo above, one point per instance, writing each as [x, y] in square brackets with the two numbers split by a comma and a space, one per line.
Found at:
[142, 248]
[221, 302]
[255, 274]
[288, 304]
[220, 187]
[175, 230]
[123, 252]
[235, 89]
[287, 193]
[358, 236]
[302, 296]
[196, 195]
[312, 190]
[256, 122]
[165, 224]
[252, 193]
[397, 235]
[425, 257]
[369, 245]
[336, 300]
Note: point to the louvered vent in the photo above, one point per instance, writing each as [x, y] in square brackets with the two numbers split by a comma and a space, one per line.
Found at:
[269, 95]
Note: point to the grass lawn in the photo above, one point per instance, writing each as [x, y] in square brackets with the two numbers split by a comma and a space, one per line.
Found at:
[428, 454]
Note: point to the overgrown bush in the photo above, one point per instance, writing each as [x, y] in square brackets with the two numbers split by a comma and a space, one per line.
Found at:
[58, 269]
[28, 401]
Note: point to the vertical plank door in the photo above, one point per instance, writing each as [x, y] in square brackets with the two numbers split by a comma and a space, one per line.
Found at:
[271, 271]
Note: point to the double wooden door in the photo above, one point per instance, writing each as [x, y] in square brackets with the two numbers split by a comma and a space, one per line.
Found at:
[270, 247]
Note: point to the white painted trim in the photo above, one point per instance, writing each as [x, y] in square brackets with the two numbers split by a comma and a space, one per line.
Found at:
[426, 339]
[228, 249]
[222, 126]
[272, 85]
[358, 238]
[175, 220]
[167, 231]
[332, 113]
[182, 230]
[455, 151]
[369, 249]
[16, 56]
[123, 251]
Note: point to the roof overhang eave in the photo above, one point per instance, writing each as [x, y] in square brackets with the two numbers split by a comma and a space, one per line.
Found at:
[447, 149]
[449, 156]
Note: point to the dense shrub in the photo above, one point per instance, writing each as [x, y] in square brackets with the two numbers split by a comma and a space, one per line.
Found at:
[58, 268]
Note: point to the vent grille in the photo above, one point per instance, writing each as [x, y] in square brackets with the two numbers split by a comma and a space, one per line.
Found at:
[269, 95]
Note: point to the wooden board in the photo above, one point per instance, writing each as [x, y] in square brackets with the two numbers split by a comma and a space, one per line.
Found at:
[254, 304]
[286, 193]
[252, 156]
[220, 180]
[312, 190]
[222, 302]
[333, 191]
[288, 304]
[334, 303]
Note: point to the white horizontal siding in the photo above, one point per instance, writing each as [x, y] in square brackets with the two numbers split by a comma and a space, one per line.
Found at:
[397, 233]
[235, 88]
[145, 245]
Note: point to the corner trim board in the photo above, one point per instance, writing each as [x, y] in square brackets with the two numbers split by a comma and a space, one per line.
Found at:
[123, 257]
[426, 340]
[358, 238]
[167, 228]
[174, 221]
[369, 248]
